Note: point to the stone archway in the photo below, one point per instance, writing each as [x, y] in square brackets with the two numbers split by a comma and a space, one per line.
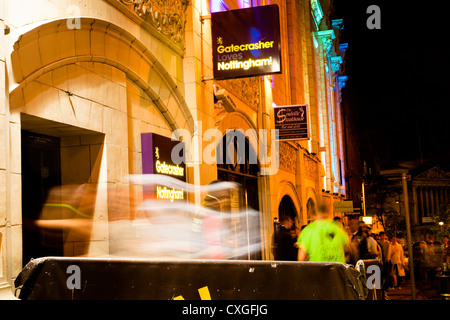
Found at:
[286, 208]
[289, 201]
[40, 53]
[52, 45]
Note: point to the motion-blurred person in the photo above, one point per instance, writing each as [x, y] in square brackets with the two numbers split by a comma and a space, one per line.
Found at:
[283, 242]
[372, 245]
[212, 224]
[339, 222]
[446, 249]
[397, 257]
[322, 240]
[295, 233]
[423, 247]
[358, 240]
[385, 252]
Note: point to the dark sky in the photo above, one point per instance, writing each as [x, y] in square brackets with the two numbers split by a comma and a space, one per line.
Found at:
[399, 78]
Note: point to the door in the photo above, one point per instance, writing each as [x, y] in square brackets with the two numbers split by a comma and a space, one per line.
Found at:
[240, 167]
[40, 172]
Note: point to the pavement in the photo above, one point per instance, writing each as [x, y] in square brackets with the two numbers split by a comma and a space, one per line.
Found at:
[423, 291]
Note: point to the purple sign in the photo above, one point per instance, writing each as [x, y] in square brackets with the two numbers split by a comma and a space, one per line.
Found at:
[157, 159]
[246, 42]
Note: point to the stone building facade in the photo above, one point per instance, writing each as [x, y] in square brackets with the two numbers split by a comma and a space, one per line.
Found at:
[82, 80]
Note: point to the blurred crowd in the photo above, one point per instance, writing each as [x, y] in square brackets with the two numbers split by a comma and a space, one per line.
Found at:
[130, 221]
[430, 255]
[328, 239]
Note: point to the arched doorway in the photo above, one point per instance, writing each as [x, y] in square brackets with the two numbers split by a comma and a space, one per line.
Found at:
[287, 208]
[69, 94]
[236, 162]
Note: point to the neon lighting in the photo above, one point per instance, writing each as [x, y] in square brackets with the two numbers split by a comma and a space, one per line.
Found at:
[217, 6]
[250, 63]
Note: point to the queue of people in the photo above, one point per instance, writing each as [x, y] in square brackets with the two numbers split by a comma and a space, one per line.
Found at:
[430, 255]
[329, 240]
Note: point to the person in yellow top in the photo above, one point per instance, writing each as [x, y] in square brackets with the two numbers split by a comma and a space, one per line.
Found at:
[323, 240]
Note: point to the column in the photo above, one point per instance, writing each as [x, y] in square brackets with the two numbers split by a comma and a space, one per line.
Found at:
[415, 217]
[432, 212]
[436, 196]
[422, 209]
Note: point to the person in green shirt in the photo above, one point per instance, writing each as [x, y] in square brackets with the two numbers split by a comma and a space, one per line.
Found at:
[323, 240]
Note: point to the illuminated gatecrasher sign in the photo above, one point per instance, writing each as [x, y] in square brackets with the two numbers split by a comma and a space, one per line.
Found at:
[246, 42]
[157, 159]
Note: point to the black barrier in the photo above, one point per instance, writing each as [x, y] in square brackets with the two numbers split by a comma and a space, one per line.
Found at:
[373, 278]
[60, 278]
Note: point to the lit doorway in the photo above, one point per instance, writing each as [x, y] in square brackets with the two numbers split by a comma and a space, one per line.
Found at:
[236, 162]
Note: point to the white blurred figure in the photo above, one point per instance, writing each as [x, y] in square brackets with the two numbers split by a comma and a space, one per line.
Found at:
[141, 226]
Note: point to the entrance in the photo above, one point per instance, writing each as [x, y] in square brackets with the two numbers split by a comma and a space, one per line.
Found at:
[233, 164]
[287, 209]
[41, 170]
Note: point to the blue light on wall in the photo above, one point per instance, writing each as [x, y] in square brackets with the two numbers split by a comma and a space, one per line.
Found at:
[217, 6]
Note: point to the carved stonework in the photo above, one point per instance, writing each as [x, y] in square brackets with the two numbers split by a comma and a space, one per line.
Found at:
[433, 174]
[336, 63]
[327, 37]
[342, 81]
[166, 16]
[246, 89]
[288, 157]
[310, 168]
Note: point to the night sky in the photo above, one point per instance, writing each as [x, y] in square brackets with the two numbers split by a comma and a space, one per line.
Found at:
[398, 79]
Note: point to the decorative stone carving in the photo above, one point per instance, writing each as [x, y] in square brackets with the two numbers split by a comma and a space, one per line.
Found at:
[342, 81]
[166, 16]
[310, 168]
[338, 24]
[246, 89]
[433, 174]
[327, 37]
[336, 63]
[288, 157]
[316, 10]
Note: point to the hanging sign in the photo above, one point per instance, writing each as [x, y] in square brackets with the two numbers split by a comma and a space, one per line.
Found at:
[246, 42]
[292, 122]
[157, 159]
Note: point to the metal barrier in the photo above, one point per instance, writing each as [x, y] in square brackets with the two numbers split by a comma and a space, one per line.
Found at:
[103, 278]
